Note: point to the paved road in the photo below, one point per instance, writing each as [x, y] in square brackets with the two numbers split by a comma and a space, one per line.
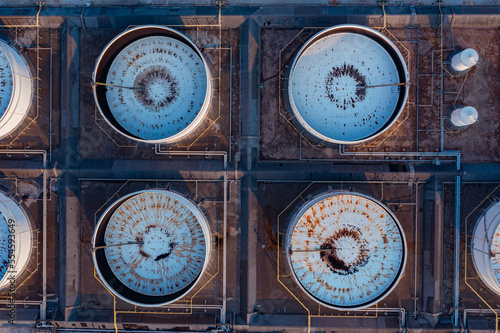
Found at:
[81, 3]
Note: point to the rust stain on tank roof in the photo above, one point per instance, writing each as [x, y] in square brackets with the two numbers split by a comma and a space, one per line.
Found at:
[346, 250]
[6, 81]
[327, 85]
[163, 245]
[167, 83]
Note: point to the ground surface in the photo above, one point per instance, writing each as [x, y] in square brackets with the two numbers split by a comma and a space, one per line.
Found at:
[268, 165]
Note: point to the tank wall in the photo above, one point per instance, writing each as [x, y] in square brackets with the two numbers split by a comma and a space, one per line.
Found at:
[21, 92]
[484, 233]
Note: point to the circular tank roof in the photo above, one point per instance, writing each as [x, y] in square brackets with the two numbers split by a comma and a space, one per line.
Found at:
[469, 57]
[346, 250]
[152, 84]
[15, 89]
[151, 247]
[15, 239]
[486, 247]
[341, 85]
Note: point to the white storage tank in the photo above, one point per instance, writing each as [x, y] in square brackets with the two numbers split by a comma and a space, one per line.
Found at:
[151, 247]
[486, 247]
[152, 84]
[15, 240]
[346, 250]
[15, 89]
[347, 85]
[463, 117]
[464, 60]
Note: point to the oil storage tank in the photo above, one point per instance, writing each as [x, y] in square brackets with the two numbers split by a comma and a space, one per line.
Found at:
[15, 89]
[345, 250]
[347, 84]
[16, 241]
[152, 84]
[486, 247]
[151, 247]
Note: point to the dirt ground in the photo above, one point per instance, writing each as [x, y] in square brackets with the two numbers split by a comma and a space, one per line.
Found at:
[481, 141]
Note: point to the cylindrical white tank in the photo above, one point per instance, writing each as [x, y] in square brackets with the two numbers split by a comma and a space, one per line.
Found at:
[464, 60]
[15, 240]
[15, 89]
[464, 116]
[346, 250]
[486, 247]
[347, 85]
[151, 247]
[152, 84]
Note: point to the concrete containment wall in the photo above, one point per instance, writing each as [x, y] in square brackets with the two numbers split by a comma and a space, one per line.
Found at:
[122, 17]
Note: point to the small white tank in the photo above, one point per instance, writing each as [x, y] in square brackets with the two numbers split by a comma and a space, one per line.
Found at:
[464, 60]
[464, 116]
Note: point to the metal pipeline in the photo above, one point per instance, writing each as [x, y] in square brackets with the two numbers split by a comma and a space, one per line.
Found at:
[442, 81]
[374, 154]
[416, 253]
[87, 330]
[479, 311]
[50, 97]
[21, 302]
[449, 153]
[457, 251]
[187, 306]
[401, 311]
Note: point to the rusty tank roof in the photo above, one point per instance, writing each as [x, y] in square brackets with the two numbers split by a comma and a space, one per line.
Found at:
[341, 84]
[166, 85]
[152, 84]
[156, 243]
[6, 81]
[346, 250]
